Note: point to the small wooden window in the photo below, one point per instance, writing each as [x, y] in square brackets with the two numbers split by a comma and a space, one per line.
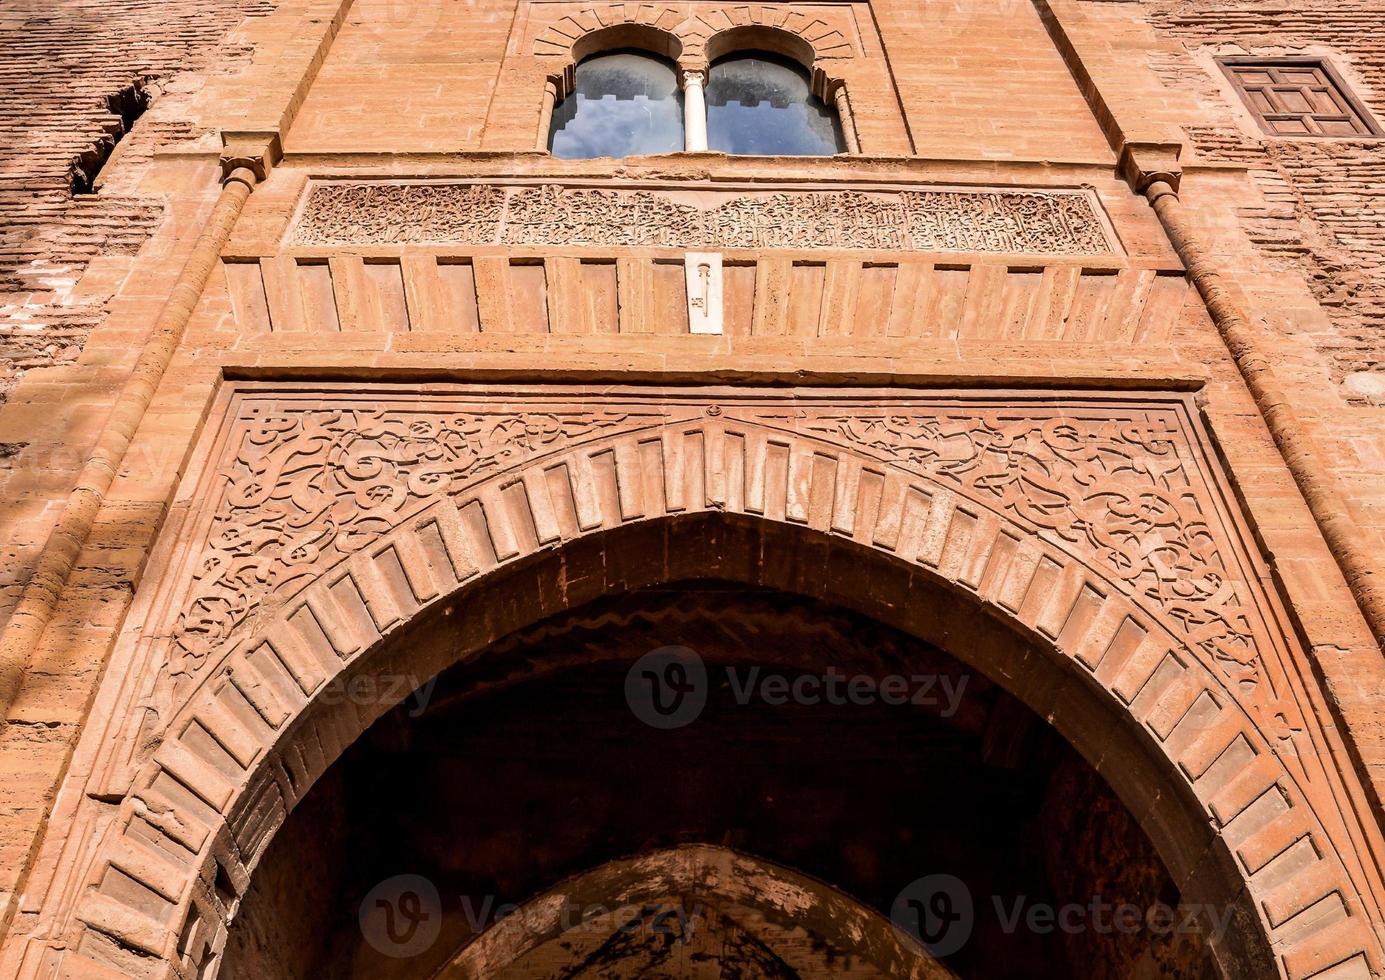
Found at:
[1298, 97]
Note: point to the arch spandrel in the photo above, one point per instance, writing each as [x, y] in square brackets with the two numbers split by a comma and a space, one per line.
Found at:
[1095, 528]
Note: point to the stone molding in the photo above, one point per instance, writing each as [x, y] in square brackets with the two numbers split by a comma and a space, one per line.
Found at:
[923, 218]
[1097, 525]
[690, 32]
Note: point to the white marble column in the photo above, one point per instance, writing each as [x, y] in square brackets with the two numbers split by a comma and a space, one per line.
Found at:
[694, 112]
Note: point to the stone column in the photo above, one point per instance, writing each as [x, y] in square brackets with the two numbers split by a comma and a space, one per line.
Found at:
[847, 120]
[550, 98]
[243, 169]
[694, 112]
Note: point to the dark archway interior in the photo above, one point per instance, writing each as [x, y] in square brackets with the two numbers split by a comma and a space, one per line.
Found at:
[526, 765]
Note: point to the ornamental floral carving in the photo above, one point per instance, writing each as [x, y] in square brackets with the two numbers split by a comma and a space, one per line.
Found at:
[307, 488]
[306, 484]
[998, 221]
[1117, 490]
[365, 213]
[302, 475]
[1007, 221]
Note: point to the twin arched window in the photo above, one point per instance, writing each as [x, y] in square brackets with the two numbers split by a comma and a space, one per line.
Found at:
[628, 102]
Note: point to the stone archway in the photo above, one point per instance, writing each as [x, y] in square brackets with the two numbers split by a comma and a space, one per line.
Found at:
[1090, 531]
[875, 797]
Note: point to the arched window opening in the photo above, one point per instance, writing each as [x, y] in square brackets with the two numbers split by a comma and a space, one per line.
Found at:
[762, 103]
[622, 103]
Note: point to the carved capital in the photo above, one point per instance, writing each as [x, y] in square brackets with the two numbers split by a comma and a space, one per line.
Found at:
[1141, 164]
[257, 152]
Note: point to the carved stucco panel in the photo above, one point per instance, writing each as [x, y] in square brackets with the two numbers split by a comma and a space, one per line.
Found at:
[1057, 221]
[305, 487]
[300, 481]
[1118, 489]
[305, 483]
[1123, 492]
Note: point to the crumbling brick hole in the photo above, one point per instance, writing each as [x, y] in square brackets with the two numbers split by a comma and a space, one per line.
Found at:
[125, 106]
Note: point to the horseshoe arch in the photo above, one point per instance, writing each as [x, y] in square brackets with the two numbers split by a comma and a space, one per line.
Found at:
[1031, 509]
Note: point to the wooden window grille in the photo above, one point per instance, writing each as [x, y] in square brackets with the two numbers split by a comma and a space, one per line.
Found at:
[1298, 97]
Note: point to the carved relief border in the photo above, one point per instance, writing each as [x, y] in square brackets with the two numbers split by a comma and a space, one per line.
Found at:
[924, 218]
[830, 29]
[1099, 523]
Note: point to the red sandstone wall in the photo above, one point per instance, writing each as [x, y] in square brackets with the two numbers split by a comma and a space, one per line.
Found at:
[62, 61]
[1305, 230]
[1324, 213]
[69, 266]
[1304, 236]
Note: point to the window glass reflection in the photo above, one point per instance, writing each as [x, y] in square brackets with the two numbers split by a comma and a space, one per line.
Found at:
[624, 103]
[763, 104]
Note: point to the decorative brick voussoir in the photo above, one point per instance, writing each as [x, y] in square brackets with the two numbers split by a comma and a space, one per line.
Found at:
[823, 29]
[1122, 503]
[558, 38]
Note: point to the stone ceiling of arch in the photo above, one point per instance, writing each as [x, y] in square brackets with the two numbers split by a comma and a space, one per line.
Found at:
[752, 917]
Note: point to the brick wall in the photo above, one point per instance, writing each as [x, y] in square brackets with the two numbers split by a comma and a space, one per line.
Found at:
[64, 60]
[1323, 213]
[438, 92]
